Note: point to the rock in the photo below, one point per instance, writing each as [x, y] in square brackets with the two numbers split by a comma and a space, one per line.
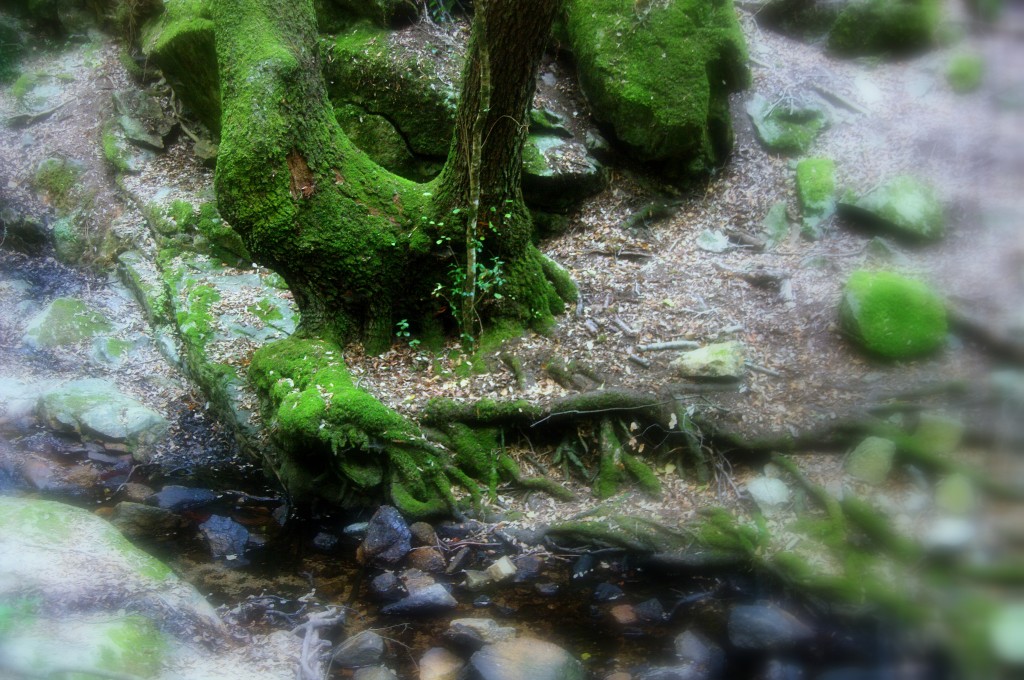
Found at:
[800, 19]
[768, 492]
[387, 587]
[325, 541]
[713, 241]
[786, 127]
[426, 558]
[639, 77]
[18, 400]
[522, 658]
[719, 361]
[141, 523]
[816, 188]
[375, 673]
[142, 118]
[955, 495]
[181, 498]
[528, 567]
[624, 614]
[1006, 633]
[64, 321]
[765, 627]
[697, 651]
[94, 408]
[356, 531]
[416, 580]
[438, 663]
[25, 233]
[871, 461]
[387, 539]
[547, 589]
[681, 672]
[425, 601]
[423, 534]
[871, 27]
[650, 611]
[225, 538]
[473, 633]
[775, 225]
[903, 207]
[501, 569]
[558, 173]
[608, 592]
[362, 649]
[892, 316]
[73, 583]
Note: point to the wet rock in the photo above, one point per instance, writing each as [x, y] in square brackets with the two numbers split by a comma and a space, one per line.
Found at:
[440, 664]
[326, 542]
[608, 592]
[387, 539]
[387, 587]
[477, 580]
[719, 361]
[63, 322]
[649, 611]
[521, 658]
[547, 589]
[375, 673]
[117, 608]
[892, 316]
[458, 560]
[501, 569]
[356, 531]
[362, 649]
[475, 633]
[428, 600]
[225, 538]
[903, 207]
[181, 498]
[787, 127]
[423, 534]
[134, 492]
[694, 649]
[416, 580]
[95, 408]
[426, 558]
[140, 523]
[482, 601]
[460, 529]
[871, 461]
[765, 627]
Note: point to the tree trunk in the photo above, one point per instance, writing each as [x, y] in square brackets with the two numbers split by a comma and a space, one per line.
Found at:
[353, 241]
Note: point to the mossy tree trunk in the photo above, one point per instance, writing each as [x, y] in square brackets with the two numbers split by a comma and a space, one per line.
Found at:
[359, 246]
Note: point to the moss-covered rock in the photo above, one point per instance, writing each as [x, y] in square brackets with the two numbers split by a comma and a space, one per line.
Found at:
[903, 206]
[558, 173]
[70, 241]
[871, 461]
[658, 78]
[63, 322]
[870, 27]
[377, 137]
[717, 361]
[892, 316]
[786, 127]
[180, 42]
[964, 72]
[816, 188]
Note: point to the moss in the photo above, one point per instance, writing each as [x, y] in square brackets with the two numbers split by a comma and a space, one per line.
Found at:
[642, 473]
[964, 72]
[903, 206]
[59, 180]
[113, 150]
[891, 315]
[816, 188]
[869, 27]
[659, 78]
[560, 279]
[786, 127]
[66, 321]
[195, 321]
[133, 645]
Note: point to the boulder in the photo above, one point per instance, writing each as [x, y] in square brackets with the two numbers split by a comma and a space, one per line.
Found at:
[871, 27]
[524, 658]
[892, 316]
[64, 321]
[786, 127]
[903, 206]
[71, 582]
[658, 76]
[816, 188]
[95, 409]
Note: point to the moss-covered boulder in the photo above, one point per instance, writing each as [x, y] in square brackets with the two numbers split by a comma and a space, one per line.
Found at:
[870, 27]
[77, 599]
[903, 206]
[63, 322]
[816, 189]
[658, 77]
[180, 42]
[786, 127]
[892, 316]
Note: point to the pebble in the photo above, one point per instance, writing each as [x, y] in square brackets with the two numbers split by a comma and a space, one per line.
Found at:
[501, 569]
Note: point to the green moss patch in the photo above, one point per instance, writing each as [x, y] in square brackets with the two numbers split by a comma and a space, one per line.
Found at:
[63, 322]
[892, 316]
[964, 72]
[816, 188]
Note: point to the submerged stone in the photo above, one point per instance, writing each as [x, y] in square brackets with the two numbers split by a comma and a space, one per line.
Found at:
[871, 461]
[903, 206]
[427, 600]
[524, 658]
[786, 127]
[95, 408]
[722, 360]
[63, 322]
[225, 538]
[892, 316]
[766, 627]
